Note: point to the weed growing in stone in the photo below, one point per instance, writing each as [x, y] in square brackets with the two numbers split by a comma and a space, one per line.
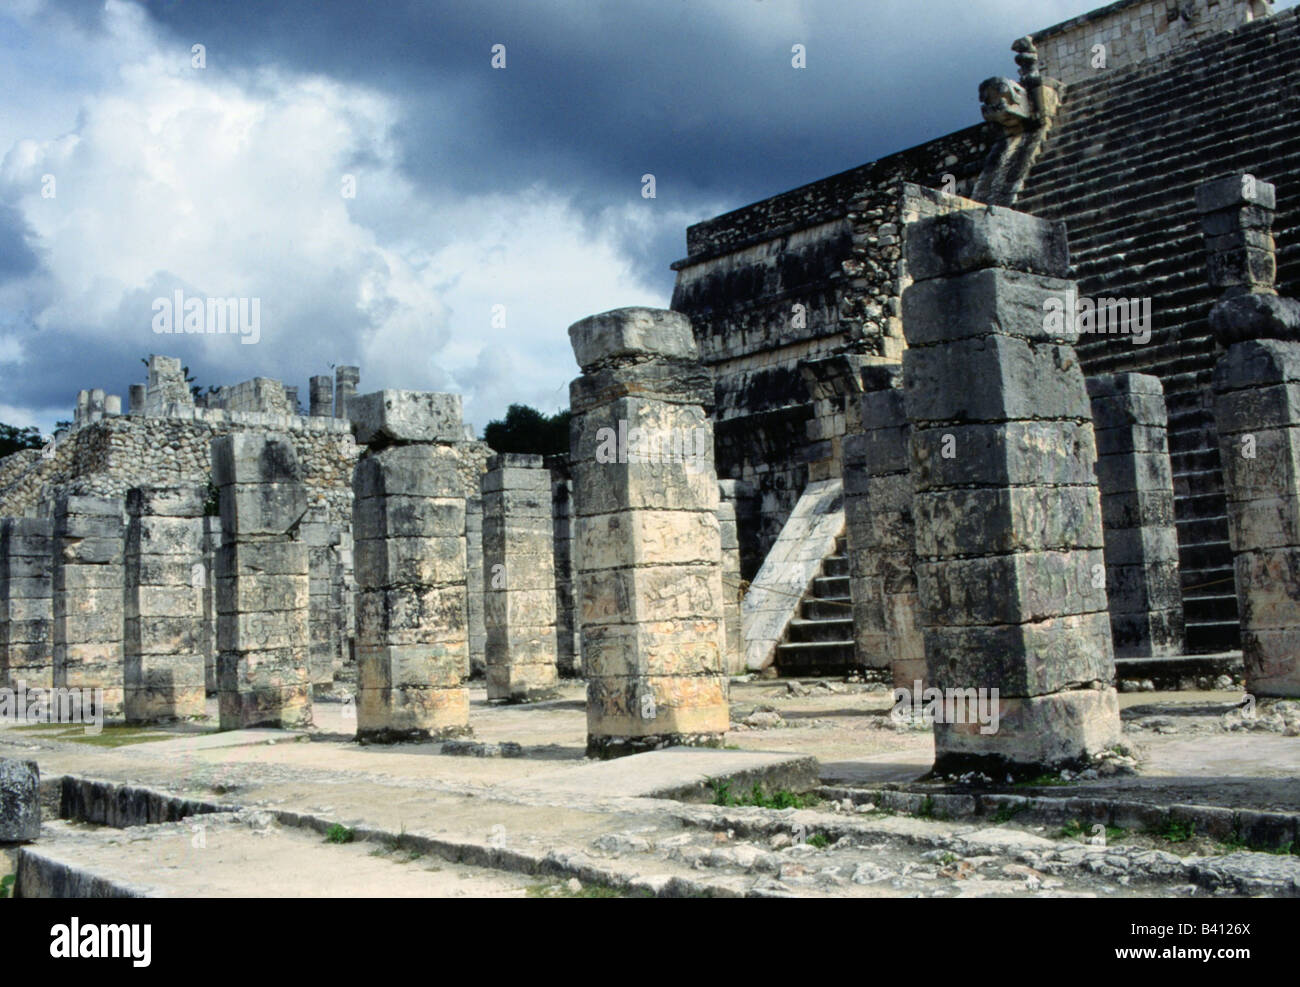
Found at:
[339, 834]
[819, 840]
[1175, 831]
[1006, 813]
[780, 799]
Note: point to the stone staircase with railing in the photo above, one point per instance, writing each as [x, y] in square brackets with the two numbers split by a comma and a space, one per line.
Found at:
[820, 640]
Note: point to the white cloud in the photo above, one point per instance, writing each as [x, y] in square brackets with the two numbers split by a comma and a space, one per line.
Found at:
[229, 184]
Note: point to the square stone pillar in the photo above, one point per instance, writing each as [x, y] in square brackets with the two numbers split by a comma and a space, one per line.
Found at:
[262, 583]
[346, 380]
[733, 639]
[211, 546]
[26, 604]
[320, 396]
[648, 550]
[1257, 413]
[519, 579]
[1010, 565]
[878, 518]
[88, 596]
[1137, 511]
[474, 586]
[568, 656]
[165, 582]
[408, 519]
[322, 625]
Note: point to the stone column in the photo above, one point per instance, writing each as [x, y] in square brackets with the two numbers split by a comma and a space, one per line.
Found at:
[346, 380]
[519, 579]
[1137, 511]
[262, 583]
[474, 586]
[1010, 570]
[320, 396]
[321, 624]
[163, 631]
[568, 659]
[211, 546]
[408, 519]
[733, 639]
[26, 607]
[881, 533]
[1257, 412]
[88, 596]
[648, 551]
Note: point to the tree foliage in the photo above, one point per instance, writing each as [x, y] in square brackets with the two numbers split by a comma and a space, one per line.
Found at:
[14, 439]
[527, 430]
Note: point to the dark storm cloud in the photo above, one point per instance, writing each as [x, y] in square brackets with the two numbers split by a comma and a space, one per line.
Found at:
[595, 94]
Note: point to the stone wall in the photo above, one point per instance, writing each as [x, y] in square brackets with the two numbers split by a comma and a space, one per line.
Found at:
[108, 457]
[801, 276]
[1135, 31]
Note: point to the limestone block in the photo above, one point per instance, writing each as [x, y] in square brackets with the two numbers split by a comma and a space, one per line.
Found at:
[1018, 379]
[631, 333]
[20, 801]
[990, 301]
[406, 416]
[1052, 453]
[992, 236]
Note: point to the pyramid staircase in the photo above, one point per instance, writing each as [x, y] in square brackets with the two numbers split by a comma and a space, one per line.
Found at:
[1121, 167]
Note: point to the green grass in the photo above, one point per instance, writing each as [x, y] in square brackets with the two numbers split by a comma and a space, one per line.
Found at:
[1043, 781]
[339, 834]
[1235, 842]
[6, 885]
[115, 735]
[1175, 831]
[1078, 829]
[926, 810]
[586, 891]
[756, 796]
[820, 840]
[1006, 813]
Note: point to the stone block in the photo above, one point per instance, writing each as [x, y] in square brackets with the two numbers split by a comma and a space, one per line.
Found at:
[992, 236]
[1018, 380]
[992, 300]
[406, 416]
[20, 801]
[631, 334]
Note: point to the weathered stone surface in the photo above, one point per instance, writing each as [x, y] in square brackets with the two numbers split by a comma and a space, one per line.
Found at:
[88, 585]
[519, 579]
[1136, 482]
[20, 801]
[406, 416]
[26, 603]
[972, 239]
[991, 300]
[1010, 570]
[262, 585]
[1058, 729]
[412, 610]
[631, 333]
[163, 629]
[649, 603]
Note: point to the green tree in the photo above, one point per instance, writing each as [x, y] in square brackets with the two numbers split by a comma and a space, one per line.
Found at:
[527, 430]
[14, 439]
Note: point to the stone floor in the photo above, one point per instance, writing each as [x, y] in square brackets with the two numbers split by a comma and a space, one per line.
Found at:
[491, 818]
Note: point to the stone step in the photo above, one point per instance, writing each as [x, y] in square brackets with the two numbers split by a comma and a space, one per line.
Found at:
[837, 630]
[817, 609]
[831, 587]
[815, 658]
[836, 565]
